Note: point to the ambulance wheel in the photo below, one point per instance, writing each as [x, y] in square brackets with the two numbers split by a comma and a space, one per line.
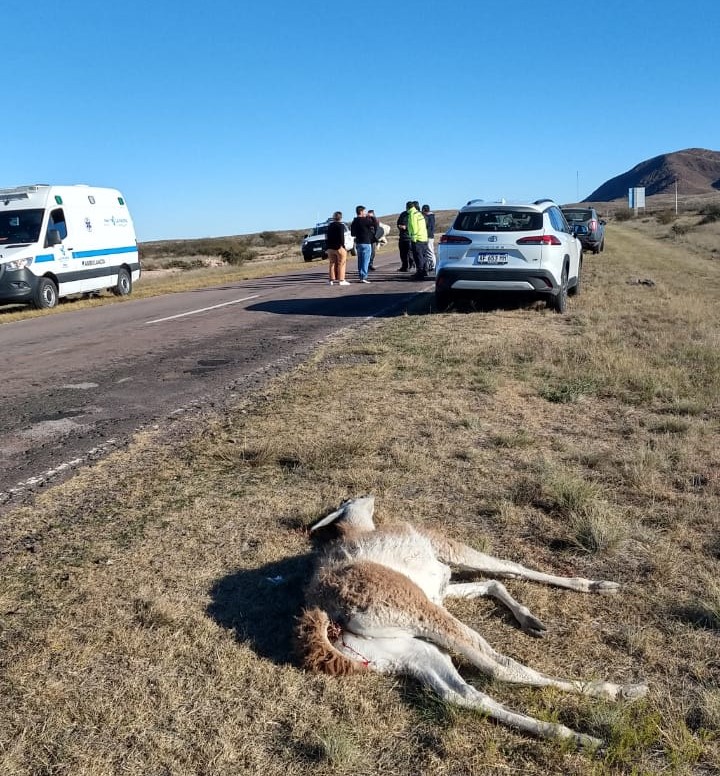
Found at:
[46, 294]
[124, 283]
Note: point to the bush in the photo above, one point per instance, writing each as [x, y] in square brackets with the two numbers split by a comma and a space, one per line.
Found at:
[204, 246]
[164, 249]
[236, 254]
[680, 229]
[624, 215]
[711, 214]
[270, 239]
[184, 264]
[665, 217]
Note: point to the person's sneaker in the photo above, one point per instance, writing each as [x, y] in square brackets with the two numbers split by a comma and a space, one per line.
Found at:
[343, 283]
[372, 269]
[402, 269]
[331, 282]
[364, 280]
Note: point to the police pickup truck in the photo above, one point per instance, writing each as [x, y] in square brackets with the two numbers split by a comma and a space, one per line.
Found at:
[314, 244]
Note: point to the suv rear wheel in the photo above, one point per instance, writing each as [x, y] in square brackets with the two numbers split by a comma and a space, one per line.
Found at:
[559, 301]
[443, 300]
[575, 290]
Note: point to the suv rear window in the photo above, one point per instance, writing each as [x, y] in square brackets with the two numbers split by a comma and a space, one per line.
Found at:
[577, 215]
[499, 220]
[319, 229]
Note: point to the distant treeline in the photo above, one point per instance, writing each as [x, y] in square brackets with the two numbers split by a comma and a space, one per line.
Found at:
[245, 247]
[233, 250]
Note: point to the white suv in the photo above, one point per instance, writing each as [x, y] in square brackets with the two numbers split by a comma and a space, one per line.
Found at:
[504, 246]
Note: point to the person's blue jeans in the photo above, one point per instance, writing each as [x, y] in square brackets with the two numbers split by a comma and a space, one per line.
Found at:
[364, 252]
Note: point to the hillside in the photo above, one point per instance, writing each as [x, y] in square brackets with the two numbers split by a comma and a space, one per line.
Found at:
[696, 170]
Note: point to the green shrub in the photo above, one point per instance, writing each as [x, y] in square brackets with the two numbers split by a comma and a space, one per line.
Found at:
[569, 496]
[597, 528]
[568, 391]
[624, 215]
[665, 217]
[680, 229]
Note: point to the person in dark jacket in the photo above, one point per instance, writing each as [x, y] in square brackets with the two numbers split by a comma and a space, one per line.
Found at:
[363, 230]
[404, 243]
[335, 248]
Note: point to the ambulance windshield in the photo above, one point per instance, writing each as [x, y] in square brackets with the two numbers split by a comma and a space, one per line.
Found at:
[20, 227]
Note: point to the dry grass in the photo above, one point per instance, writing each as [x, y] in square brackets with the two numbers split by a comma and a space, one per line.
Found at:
[147, 604]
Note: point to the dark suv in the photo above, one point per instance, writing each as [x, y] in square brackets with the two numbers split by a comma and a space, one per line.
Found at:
[592, 236]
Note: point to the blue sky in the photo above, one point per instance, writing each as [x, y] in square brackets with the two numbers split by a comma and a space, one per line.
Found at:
[229, 116]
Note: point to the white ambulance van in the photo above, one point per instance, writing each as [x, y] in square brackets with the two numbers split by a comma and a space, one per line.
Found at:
[61, 240]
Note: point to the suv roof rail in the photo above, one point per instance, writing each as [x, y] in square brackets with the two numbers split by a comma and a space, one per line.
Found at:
[543, 199]
[474, 202]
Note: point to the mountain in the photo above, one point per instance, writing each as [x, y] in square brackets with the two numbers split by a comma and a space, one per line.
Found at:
[696, 170]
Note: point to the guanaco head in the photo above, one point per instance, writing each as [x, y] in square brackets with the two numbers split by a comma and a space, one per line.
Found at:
[355, 515]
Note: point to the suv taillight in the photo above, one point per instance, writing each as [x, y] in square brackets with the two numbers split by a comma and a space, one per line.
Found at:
[593, 225]
[455, 239]
[540, 239]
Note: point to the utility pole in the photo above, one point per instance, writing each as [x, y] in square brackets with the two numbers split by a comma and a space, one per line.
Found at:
[676, 198]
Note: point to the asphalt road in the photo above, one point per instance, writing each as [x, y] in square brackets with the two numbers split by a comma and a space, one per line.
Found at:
[76, 385]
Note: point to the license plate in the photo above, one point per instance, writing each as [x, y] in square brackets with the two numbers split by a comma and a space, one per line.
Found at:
[492, 258]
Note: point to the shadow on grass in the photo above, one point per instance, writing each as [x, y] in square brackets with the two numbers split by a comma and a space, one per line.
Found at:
[260, 605]
[697, 616]
[477, 302]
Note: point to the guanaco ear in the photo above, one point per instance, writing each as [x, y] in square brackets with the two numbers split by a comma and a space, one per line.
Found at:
[357, 512]
[331, 517]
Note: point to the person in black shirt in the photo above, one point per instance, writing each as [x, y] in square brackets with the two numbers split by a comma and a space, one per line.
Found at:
[335, 249]
[363, 230]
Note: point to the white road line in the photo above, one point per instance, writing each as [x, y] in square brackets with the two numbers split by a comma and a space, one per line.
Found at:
[203, 309]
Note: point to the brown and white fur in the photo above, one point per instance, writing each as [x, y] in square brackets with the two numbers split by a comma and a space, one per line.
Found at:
[375, 603]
